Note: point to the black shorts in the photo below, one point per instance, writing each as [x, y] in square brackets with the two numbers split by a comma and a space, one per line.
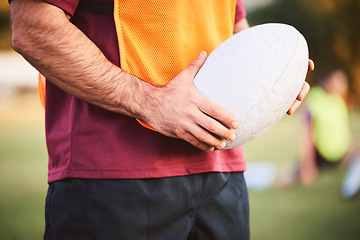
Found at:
[201, 206]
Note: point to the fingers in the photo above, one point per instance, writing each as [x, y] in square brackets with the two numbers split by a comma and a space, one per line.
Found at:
[188, 114]
[211, 118]
[293, 107]
[196, 135]
[217, 123]
[218, 118]
[216, 128]
[301, 96]
[311, 65]
[303, 92]
[203, 139]
[205, 132]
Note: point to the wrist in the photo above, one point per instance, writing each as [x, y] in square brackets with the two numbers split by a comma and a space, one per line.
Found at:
[133, 96]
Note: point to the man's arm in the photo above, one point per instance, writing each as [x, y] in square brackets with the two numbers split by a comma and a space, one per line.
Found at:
[43, 34]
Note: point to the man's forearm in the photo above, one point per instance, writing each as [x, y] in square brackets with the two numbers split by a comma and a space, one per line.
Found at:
[70, 60]
[43, 34]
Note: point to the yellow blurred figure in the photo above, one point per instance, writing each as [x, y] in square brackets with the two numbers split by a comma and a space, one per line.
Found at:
[325, 133]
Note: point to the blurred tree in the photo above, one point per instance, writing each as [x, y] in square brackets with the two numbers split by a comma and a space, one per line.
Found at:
[4, 25]
[331, 27]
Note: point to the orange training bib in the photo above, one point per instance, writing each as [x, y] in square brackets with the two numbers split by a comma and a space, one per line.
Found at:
[158, 38]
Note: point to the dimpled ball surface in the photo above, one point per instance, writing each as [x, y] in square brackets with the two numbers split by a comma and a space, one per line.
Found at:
[256, 75]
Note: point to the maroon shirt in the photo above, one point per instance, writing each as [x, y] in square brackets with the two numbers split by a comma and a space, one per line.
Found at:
[86, 141]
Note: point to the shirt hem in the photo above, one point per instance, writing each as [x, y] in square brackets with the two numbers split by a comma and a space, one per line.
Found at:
[139, 173]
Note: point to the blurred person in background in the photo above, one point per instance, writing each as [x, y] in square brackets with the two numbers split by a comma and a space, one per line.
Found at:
[325, 132]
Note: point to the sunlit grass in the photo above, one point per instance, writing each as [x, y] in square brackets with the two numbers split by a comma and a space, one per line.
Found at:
[295, 213]
[23, 165]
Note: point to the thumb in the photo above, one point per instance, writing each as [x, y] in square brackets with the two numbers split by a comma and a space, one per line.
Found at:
[188, 74]
[195, 65]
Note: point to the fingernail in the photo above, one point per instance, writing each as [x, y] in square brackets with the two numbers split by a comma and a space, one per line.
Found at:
[300, 97]
[303, 95]
[232, 137]
[234, 125]
[211, 149]
[222, 145]
[202, 53]
[291, 111]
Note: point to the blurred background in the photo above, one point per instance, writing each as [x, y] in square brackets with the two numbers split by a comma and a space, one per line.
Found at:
[282, 205]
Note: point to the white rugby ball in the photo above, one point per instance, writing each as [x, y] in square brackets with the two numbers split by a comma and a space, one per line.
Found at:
[256, 75]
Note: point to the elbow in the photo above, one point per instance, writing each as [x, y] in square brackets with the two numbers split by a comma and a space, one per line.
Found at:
[23, 33]
[32, 22]
[19, 26]
[16, 43]
[19, 40]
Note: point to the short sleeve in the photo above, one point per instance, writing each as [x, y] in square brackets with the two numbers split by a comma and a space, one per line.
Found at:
[240, 11]
[68, 6]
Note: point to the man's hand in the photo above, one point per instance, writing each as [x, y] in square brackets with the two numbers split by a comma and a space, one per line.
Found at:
[43, 34]
[303, 92]
[179, 110]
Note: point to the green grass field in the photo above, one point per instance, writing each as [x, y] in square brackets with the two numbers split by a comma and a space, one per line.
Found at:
[312, 213]
[317, 212]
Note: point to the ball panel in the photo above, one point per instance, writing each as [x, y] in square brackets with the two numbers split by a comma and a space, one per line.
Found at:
[256, 75]
[276, 103]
